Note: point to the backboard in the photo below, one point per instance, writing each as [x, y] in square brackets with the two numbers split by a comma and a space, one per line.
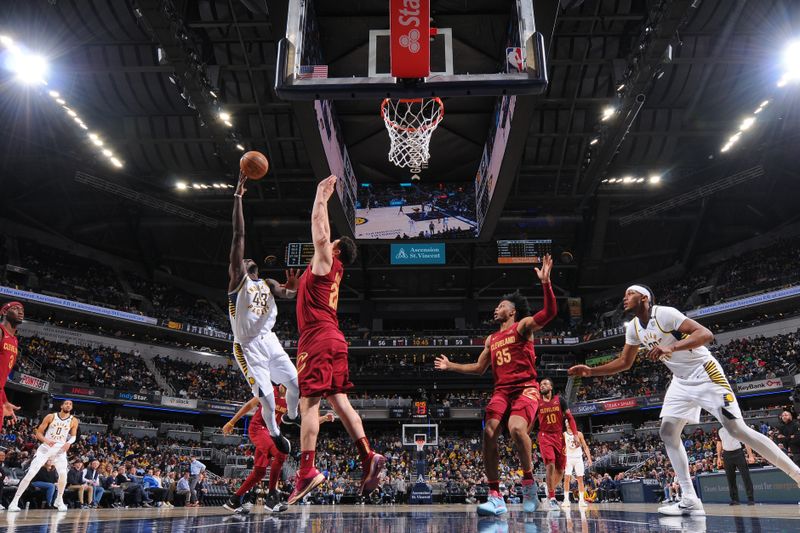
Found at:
[349, 49]
[413, 432]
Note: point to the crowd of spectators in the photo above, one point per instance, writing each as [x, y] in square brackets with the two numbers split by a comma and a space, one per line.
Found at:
[745, 359]
[202, 380]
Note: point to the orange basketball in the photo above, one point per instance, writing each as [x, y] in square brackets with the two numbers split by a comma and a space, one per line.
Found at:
[254, 165]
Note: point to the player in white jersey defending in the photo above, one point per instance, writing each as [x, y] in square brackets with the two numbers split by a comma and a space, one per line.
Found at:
[576, 445]
[698, 382]
[57, 432]
[252, 312]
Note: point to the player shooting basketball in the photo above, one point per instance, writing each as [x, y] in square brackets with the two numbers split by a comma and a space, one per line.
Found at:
[252, 311]
[516, 391]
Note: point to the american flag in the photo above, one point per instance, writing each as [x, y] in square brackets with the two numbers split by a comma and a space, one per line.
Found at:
[312, 71]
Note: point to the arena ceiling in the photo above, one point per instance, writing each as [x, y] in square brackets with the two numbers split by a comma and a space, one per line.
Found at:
[701, 67]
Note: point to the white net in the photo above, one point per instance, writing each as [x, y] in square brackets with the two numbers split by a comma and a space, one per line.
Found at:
[410, 123]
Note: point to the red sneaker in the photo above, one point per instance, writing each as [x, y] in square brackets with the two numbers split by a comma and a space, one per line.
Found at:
[305, 484]
[372, 471]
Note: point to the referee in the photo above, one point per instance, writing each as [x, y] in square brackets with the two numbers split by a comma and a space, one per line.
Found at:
[730, 456]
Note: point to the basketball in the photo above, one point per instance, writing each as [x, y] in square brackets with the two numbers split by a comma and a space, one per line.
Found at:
[254, 165]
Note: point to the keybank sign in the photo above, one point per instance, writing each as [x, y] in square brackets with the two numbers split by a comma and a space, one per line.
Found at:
[418, 254]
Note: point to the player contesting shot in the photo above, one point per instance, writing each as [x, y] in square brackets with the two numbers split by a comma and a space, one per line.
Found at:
[12, 315]
[698, 382]
[252, 311]
[322, 351]
[516, 398]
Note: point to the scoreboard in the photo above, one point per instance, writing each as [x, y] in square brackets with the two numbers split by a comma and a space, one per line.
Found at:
[523, 251]
[299, 254]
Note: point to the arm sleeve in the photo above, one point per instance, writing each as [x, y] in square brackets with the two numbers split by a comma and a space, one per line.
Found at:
[549, 310]
[568, 414]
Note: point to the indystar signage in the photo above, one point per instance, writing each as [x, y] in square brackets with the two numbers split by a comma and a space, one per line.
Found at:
[418, 254]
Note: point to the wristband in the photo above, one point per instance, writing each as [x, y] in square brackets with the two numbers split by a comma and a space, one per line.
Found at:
[237, 195]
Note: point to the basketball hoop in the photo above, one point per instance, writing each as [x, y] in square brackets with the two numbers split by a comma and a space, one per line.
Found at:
[410, 123]
[420, 444]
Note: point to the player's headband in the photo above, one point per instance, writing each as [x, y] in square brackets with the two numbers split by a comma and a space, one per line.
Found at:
[9, 305]
[641, 290]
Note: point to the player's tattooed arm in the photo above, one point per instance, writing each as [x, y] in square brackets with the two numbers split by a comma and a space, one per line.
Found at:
[236, 268]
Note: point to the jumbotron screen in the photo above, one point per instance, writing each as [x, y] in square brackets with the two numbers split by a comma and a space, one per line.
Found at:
[523, 251]
[299, 254]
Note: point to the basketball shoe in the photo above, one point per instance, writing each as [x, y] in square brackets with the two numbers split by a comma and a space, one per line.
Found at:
[305, 483]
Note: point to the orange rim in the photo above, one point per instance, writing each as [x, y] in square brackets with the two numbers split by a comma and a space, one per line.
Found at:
[438, 118]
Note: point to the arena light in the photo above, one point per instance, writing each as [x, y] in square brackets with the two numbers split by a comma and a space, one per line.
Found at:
[627, 179]
[654, 179]
[240, 147]
[181, 186]
[223, 116]
[594, 141]
[116, 162]
[107, 152]
[747, 123]
[791, 63]
[54, 94]
[608, 112]
[212, 93]
[6, 40]
[28, 68]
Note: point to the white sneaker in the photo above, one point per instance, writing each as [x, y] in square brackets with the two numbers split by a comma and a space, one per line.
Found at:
[566, 503]
[60, 506]
[582, 503]
[687, 506]
[13, 508]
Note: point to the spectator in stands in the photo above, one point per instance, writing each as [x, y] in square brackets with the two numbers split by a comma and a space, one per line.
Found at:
[75, 482]
[109, 484]
[91, 477]
[134, 491]
[169, 484]
[788, 436]
[152, 486]
[183, 489]
[201, 489]
[46, 479]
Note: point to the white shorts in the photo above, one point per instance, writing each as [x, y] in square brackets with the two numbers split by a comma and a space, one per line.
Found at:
[263, 361]
[45, 453]
[574, 464]
[705, 388]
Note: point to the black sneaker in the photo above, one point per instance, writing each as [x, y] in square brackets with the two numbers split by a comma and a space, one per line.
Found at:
[750, 502]
[234, 504]
[289, 421]
[274, 504]
[734, 502]
[282, 443]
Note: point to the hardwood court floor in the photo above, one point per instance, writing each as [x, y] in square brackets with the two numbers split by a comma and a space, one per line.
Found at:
[611, 518]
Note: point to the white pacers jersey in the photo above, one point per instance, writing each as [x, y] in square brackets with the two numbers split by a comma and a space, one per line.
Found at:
[662, 330]
[252, 309]
[58, 430]
[574, 448]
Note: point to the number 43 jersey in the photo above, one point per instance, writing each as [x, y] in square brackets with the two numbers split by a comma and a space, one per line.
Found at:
[513, 359]
[252, 309]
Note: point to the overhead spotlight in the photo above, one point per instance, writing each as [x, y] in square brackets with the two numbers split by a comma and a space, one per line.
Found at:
[6, 40]
[72, 113]
[621, 86]
[217, 186]
[594, 141]
[60, 101]
[735, 138]
[93, 136]
[181, 186]
[54, 94]
[605, 180]
[240, 147]
[627, 179]
[764, 104]
[212, 93]
[82, 125]
[116, 162]
[30, 69]
[195, 186]
[224, 116]
[107, 152]
[203, 186]
[726, 147]
[655, 178]
[97, 142]
[228, 123]
[608, 112]
[791, 61]
[747, 123]
[639, 180]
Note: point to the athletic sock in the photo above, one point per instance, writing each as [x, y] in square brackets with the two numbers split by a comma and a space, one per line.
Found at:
[307, 460]
[551, 494]
[363, 449]
[274, 473]
[494, 485]
[252, 480]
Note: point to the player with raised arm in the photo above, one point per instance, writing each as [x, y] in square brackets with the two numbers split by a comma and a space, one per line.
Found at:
[56, 433]
[252, 312]
[698, 382]
[576, 446]
[322, 351]
[516, 398]
[553, 412]
[266, 452]
[11, 316]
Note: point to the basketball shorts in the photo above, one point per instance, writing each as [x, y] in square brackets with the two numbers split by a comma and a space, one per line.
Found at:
[263, 361]
[575, 466]
[45, 453]
[553, 449]
[523, 402]
[705, 388]
[265, 446]
[322, 366]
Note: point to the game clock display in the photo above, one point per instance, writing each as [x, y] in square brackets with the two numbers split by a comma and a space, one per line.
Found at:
[299, 254]
[527, 251]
